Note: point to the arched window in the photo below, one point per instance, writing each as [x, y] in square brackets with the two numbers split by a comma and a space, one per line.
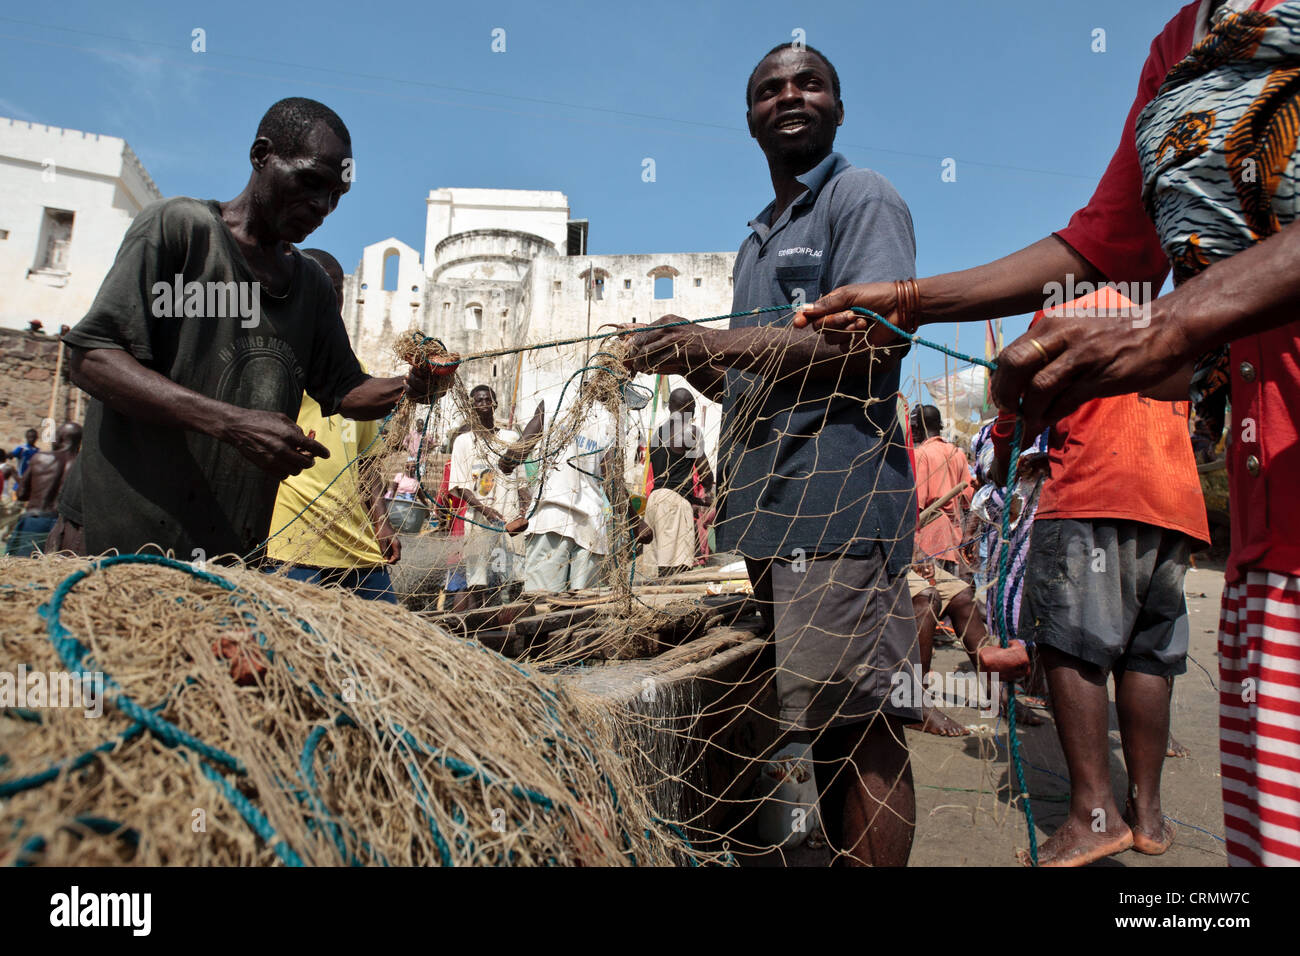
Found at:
[392, 259]
[594, 281]
[663, 276]
[474, 317]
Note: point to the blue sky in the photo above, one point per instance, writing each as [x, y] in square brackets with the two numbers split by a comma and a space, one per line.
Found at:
[1011, 90]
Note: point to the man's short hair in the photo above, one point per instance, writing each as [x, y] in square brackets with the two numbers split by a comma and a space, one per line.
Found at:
[326, 262]
[483, 388]
[929, 418]
[324, 259]
[32, 431]
[802, 48]
[289, 122]
[680, 399]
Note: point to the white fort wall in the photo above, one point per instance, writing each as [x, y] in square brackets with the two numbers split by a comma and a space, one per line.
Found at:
[99, 181]
[498, 273]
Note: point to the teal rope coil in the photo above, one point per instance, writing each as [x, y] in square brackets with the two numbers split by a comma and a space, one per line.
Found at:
[73, 652]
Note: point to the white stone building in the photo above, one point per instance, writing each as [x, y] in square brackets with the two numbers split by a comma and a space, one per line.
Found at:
[504, 268]
[66, 199]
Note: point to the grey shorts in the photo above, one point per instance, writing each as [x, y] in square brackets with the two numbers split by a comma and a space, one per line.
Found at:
[1109, 592]
[843, 628]
[555, 563]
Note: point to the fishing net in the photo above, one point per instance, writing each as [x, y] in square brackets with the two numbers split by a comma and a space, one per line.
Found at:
[539, 700]
[247, 719]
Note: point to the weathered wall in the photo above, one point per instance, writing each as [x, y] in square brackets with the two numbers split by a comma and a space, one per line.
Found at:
[28, 361]
[96, 178]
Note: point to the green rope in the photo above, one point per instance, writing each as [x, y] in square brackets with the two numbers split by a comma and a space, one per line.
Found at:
[75, 655]
[73, 650]
[1000, 625]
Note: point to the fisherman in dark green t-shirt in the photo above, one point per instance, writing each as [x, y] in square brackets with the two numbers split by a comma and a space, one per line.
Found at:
[198, 347]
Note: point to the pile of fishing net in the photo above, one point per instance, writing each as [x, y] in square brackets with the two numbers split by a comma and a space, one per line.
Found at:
[249, 719]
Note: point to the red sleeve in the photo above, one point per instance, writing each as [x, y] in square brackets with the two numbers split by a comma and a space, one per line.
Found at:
[1113, 231]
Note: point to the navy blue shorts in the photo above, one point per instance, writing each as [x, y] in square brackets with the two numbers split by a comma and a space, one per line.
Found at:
[373, 584]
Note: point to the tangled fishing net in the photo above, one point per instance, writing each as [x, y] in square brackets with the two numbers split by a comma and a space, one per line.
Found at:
[249, 719]
[252, 719]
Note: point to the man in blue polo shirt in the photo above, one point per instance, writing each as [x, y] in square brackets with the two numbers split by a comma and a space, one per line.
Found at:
[819, 495]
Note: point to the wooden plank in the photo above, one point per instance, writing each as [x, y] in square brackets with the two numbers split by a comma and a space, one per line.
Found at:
[931, 511]
[479, 618]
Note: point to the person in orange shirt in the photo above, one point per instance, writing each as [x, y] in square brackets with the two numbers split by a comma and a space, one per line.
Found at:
[940, 467]
[1103, 597]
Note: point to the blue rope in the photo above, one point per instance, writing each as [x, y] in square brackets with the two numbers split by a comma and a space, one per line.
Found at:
[100, 825]
[1004, 568]
[73, 653]
[1000, 624]
[10, 787]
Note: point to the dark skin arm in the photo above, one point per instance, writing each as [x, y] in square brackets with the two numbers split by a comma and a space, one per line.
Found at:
[702, 469]
[371, 485]
[1011, 285]
[270, 440]
[24, 490]
[471, 499]
[710, 381]
[776, 351]
[1252, 292]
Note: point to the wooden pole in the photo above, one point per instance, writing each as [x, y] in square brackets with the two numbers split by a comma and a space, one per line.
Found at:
[931, 511]
[591, 290]
[956, 347]
[54, 391]
[514, 393]
[947, 393]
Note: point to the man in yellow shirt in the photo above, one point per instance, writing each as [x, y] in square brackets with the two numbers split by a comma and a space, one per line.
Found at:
[329, 526]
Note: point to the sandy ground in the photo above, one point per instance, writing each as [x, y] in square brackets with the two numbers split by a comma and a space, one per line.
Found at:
[956, 827]
[962, 784]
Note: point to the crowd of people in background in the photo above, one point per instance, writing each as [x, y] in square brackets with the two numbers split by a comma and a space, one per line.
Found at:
[859, 543]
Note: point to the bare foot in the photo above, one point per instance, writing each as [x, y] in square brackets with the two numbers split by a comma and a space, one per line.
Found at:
[1024, 716]
[1010, 662]
[1175, 749]
[935, 721]
[1152, 840]
[1075, 844]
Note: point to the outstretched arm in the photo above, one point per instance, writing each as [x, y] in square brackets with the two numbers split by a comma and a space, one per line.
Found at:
[1254, 291]
[1011, 285]
[775, 351]
[375, 397]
